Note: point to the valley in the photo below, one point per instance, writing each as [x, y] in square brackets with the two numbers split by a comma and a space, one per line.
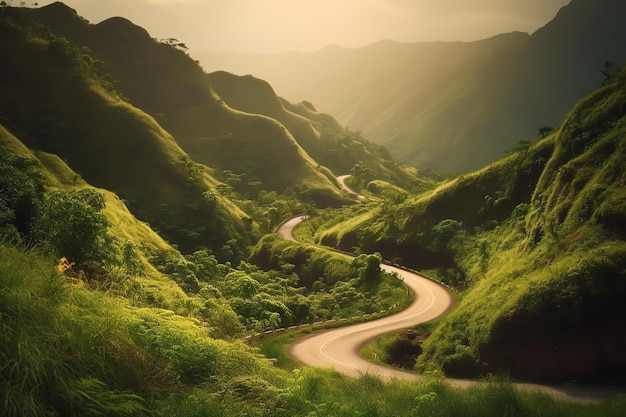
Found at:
[481, 98]
[144, 245]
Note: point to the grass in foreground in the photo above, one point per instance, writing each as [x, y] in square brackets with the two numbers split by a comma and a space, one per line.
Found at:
[71, 350]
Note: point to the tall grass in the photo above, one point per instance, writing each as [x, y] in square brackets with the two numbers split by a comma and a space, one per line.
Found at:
[70, 350]
[59, 345]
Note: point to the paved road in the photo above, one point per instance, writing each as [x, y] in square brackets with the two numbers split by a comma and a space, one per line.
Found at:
[342, 182]
[338, 348]
[285, 231]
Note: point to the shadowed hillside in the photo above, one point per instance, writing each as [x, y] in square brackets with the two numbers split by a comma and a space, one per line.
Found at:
[177, 93]
[319, 134]
[479, 98]
[56, 100]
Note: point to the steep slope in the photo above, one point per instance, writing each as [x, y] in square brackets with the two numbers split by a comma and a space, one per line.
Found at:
[479, 98]
[56, 100]
[563, 315]
[167, 84]
[538, 240]
[319, 134]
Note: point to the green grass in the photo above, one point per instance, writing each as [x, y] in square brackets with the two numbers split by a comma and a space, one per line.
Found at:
[68, 349]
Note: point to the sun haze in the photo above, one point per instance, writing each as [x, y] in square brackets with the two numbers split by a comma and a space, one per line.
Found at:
[306, 25]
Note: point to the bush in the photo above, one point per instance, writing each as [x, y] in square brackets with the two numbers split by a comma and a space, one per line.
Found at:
[21, 194]
[71, 225]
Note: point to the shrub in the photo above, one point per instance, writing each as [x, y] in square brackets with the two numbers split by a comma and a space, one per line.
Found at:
[72, 225]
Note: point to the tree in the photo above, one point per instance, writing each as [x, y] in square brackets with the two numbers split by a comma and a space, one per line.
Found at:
[21, 194]
[444, 231]
[362, 174]
[544, 131]
[71, 225]
[175, 43]
[609, 69]
[368, 266]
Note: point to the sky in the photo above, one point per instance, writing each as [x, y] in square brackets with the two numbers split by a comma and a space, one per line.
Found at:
[270, 26]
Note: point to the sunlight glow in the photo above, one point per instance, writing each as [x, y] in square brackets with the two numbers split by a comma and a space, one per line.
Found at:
[306, 25]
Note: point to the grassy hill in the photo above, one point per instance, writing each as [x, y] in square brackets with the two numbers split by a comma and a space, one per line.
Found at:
[479, 98]
[129, 341]
[536, 241]
[56, 100]
[319, 134]
[178, 94]
[129, 325]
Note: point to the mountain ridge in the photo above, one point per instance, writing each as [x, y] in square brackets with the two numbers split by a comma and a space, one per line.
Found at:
[178, 94]
[480, 97]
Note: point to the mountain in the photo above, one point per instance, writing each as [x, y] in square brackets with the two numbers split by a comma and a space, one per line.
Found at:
[166, 83]
[480, 98]
[55, 100]
[319, 134]
[537, 243]
[127, 323]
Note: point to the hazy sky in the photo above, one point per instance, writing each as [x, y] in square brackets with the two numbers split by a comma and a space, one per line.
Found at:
[307, 25]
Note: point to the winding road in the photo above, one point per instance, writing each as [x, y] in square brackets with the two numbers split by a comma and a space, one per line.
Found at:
[338, 348]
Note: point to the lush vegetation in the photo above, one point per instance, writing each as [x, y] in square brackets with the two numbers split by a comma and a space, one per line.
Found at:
[113, 334]
[56, 99]
[339, 287]
[100, 315]
[69, 350]
[537, 242]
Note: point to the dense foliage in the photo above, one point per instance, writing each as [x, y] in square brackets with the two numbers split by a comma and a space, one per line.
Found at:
[99, 315]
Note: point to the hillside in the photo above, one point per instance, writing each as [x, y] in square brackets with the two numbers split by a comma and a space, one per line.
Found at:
[178, 94]
[56, 100]
[319, 134]
[536, 241]
[126, 289]
[480, 98]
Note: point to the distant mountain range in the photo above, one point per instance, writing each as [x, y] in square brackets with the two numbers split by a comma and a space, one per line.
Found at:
[452, 106]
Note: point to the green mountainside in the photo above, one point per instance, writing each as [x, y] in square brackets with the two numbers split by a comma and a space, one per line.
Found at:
[535, 241]
[420, 100]
[166, 83]
[55, 100]
[319, 134]
[136, 279]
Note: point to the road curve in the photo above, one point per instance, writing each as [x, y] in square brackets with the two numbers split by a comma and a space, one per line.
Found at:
[338, 348]
[342, 182]
[285, 230]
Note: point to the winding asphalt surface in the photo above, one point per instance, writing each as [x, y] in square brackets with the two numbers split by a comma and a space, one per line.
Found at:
[342, 181]
[338, 348]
